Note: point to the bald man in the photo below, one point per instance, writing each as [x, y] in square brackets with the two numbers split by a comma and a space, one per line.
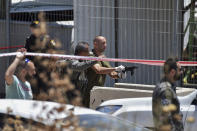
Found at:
[17, 87]
[97, 73]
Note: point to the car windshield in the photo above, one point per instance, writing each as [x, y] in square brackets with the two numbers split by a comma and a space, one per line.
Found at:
[106, 123]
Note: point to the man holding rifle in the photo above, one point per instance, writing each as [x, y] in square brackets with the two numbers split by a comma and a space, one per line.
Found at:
[97, 73]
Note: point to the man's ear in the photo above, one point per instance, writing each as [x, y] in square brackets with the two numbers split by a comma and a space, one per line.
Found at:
[24, 71]
[95, 44]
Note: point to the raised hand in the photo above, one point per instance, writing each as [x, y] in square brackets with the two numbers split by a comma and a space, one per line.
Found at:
[21, 53]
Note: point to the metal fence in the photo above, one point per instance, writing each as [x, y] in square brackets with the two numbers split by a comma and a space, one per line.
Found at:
[16, 16]
[135, 29]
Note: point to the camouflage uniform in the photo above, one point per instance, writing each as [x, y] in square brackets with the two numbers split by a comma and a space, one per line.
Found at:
[164, 95]
[79, 75]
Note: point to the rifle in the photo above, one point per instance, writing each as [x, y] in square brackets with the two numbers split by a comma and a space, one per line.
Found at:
[130, 69]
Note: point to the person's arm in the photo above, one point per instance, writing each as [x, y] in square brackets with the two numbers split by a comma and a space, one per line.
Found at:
[102, 70]
[81, 66]
[11, 69]
[106, 70]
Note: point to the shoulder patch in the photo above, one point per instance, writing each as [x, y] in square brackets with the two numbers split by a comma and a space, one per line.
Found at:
[165, 102]
[165, 84]
[53, 42]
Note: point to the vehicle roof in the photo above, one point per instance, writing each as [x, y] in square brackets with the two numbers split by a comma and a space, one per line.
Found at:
[145, 101]
[31, 109]
[128, 101]
[41, 109]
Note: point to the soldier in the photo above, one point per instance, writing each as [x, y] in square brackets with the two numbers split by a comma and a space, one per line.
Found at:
[97, 73]
[35, 33]
[40, 42]
[166, 107]
[79, 67]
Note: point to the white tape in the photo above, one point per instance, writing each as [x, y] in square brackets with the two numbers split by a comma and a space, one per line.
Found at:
[137, 61]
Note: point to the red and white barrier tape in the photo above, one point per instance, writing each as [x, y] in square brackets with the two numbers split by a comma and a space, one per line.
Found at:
[136, 61]
[12, 47]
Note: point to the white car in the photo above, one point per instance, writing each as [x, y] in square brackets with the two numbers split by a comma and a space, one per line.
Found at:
[139, 110]
[51, 113]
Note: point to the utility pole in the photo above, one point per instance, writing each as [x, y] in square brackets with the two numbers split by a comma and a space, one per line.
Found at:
[2, 9]
[8, 23]
[116, 31]
[175, 28]
[3, 20]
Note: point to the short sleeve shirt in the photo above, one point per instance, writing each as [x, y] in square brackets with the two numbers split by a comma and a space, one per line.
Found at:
[18, 90]
[97, 79]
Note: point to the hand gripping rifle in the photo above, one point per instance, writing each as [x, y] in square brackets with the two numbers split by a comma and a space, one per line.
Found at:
[130, 69]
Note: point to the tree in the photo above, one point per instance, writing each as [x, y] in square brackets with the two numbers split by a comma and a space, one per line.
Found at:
[192, 30]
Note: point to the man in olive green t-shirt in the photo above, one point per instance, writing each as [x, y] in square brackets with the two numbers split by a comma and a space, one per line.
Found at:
[97, 73]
